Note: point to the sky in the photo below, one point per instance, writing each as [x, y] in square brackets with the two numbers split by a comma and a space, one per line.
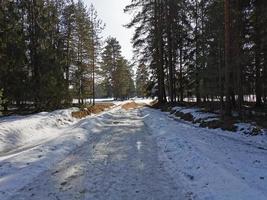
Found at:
[111, 12]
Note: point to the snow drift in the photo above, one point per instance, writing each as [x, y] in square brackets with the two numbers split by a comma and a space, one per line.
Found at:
[19, 131]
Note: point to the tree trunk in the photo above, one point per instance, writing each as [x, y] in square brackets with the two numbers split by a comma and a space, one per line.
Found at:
[238, 58]
[170, 19]
[159, 52]
[227, 58]
[258, 86]
[181, 75]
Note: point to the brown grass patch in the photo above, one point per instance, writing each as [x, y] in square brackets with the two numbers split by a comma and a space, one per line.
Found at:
[98, 108]
[132, 105]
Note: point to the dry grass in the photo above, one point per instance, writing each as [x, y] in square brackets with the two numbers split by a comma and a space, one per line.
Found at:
[98, 108]
[132, 105]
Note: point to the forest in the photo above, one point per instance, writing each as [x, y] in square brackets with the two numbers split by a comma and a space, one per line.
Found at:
[207, 51]
[52, 52]
[211, 52]
[133, 99]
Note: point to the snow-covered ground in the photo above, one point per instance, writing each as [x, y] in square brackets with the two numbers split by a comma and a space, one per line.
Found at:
[20, 131]
[197, 113]
[136, 154]
[211, 164]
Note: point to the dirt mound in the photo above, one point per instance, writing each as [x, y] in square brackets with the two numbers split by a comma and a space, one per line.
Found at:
[132, 105]
[98, 108]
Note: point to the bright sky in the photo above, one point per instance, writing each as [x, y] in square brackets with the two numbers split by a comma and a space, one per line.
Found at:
[111, 12]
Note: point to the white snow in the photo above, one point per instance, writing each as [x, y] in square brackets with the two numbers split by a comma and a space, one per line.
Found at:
[211, 164]
[200, 116]
[197, 113]
[143, 100]
[32, 130]
[119, 154]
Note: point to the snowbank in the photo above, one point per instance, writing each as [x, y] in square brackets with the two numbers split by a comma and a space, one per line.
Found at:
[202, 118]
[197, 113]
[31, 145]
[19, 131]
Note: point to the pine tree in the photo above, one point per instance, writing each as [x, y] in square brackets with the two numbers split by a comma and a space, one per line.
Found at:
[83, 51]
[116, 71]
[149, 23]
[12, 56]
[68, 26]
[142, 81]
[48, 47]
[96, 27]
[110, 57]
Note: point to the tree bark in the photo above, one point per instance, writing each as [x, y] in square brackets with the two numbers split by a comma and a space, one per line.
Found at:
[227, 58]
[258, 86]
[159, 52]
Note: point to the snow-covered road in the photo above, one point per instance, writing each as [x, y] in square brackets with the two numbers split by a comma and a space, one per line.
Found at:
[117, 161]
[211, 164]
[138, 154]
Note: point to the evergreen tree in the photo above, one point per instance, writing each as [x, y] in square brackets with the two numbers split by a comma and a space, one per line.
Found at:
[86, 51]
[122, 80]
[13, 69]
[47, 47]
[68, 27]
[110, 58]
[116, 71]
[96, 27]
[142, 81]
[186, 45]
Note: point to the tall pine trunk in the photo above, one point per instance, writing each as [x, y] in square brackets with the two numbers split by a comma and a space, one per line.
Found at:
[258, 86]
[159, 52]
[181, 75]
[239, 74]
[227, 58]
[170, 19]
[197, 73]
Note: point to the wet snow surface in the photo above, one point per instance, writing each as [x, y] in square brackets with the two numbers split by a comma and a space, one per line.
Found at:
[131, 155]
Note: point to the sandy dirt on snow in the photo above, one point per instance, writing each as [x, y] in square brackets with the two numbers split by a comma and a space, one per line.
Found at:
[132, 105]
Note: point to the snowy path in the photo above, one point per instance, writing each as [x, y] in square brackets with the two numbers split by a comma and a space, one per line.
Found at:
[212, 164]
[136, 155]
[119, 161]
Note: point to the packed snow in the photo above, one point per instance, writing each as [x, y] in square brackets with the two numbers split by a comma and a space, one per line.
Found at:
[211, 164]
[134, 154]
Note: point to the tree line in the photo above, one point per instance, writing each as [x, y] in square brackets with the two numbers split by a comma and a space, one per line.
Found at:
[51, 53]
[116, 72]
[204, 50]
